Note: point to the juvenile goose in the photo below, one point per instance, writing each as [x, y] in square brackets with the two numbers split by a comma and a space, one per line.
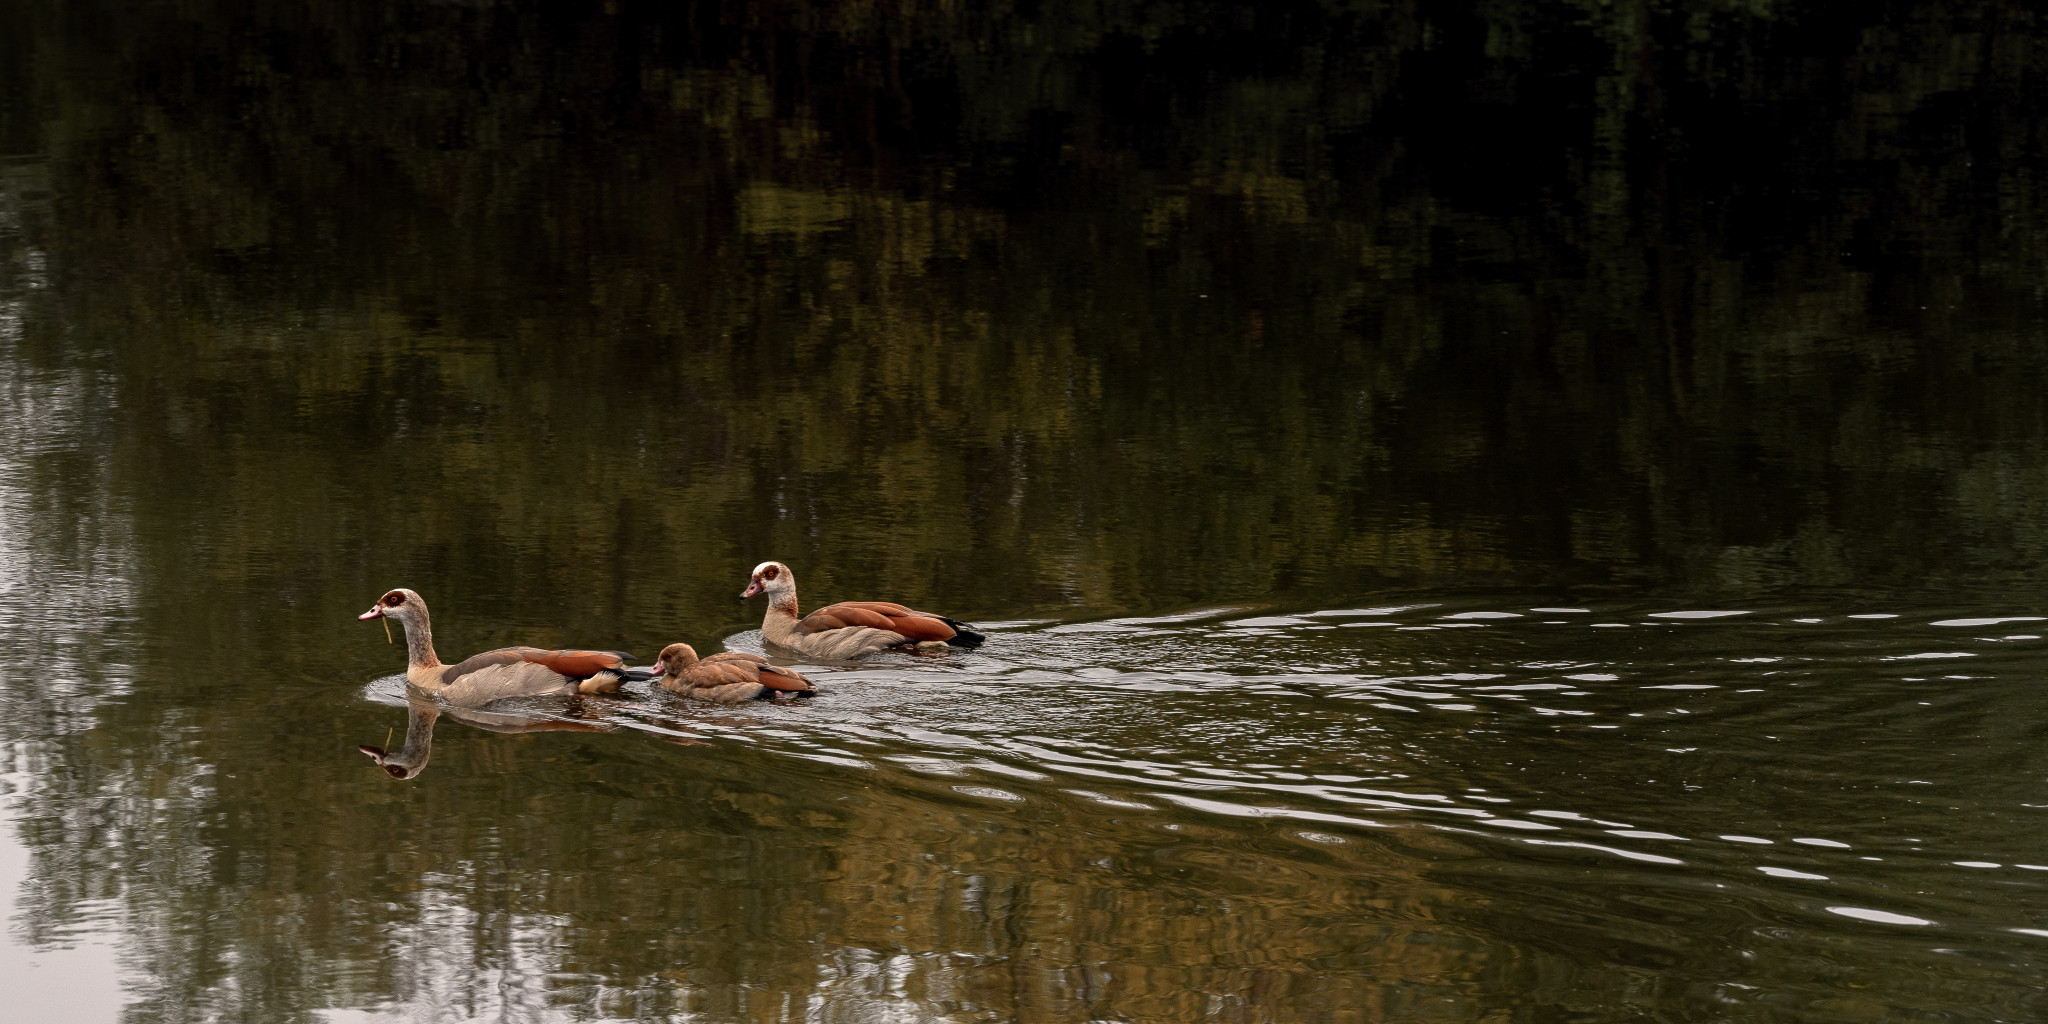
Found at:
[496, 675]
[727, 678]
[848, 629]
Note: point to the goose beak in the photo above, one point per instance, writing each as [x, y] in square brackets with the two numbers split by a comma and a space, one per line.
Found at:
[753, 588]
[376, 612]
[395, 770]
[659, 668]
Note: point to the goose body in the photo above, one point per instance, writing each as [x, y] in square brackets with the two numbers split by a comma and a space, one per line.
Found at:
[848, 629]
[496, 675]
[726, 678]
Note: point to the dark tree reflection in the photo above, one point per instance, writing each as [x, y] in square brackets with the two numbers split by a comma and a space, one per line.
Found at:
[572, 312]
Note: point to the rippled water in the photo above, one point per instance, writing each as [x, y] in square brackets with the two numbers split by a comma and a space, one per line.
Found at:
[1760, 808]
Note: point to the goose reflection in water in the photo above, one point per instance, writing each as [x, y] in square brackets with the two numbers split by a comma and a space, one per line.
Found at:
[408, 761]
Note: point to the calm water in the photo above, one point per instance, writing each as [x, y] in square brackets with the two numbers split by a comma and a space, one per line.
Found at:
[1534, 515]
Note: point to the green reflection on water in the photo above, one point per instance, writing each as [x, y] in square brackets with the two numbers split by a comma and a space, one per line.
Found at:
[567, 317]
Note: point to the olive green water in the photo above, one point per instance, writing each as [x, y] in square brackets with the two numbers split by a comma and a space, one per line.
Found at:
[1534, 514]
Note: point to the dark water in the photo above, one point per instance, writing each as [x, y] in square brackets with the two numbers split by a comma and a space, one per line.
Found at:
[1529, 514]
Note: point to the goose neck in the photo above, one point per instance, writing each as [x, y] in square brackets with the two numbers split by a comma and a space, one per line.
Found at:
[779, 624]
[419, 641]
[419, 742]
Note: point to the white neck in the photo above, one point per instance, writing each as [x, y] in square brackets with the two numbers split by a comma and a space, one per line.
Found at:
[419, 741]
[779, 624]
[419, 640]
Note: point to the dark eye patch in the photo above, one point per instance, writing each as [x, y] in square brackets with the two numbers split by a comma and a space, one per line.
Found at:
[393, 599]
[770, 572]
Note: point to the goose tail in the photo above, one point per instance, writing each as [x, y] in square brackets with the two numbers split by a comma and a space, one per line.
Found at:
[963, 634]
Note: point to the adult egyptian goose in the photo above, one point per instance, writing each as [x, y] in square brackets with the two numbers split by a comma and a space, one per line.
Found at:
[848, 629]
[497, 675]
[727, 678]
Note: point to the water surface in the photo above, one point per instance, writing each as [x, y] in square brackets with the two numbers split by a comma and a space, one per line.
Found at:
[1535, 514]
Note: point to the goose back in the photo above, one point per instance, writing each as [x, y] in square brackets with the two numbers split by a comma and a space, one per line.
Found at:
[733, 677]
[527, 672]
[842, 644]
[909, 625]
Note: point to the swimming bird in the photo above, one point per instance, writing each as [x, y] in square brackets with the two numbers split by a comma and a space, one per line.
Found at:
[497, 675]
[727, 678]
[850, 628]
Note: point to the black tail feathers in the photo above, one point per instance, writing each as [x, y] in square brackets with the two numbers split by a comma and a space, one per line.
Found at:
[636, 675]
[962, 635]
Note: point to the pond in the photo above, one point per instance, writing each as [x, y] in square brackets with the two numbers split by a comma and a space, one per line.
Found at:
[1519, 515]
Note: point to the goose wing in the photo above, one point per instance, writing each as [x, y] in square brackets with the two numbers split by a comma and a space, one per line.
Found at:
[721, 670]
[904, 622]
[734, 657]
[573, 664]
[775, 677]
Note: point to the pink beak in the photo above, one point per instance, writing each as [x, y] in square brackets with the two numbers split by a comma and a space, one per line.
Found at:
[753, 588]
[660, 668]
[376, 612]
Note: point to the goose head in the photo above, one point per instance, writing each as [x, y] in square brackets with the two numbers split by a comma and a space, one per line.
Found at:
[773, 579]
[394, 763]
[674, 659]
[412, 759]
[400, 604]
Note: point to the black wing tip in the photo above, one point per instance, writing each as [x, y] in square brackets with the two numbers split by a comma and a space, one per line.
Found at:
[636, 675]
[963, 636]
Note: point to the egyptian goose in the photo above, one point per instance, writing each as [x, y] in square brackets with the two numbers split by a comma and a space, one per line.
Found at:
[727, 678]
[848, 629]
[497, 675]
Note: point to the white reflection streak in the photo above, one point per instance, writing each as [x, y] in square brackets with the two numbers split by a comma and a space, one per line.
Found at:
[446, 971]
[42, 607]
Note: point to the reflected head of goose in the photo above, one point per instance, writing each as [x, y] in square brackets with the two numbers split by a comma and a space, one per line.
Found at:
[398, 765]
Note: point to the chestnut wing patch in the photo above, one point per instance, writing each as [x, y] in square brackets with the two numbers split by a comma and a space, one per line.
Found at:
[574, 664]
[775, 677]
[843, 616]
[911, 625]
[577, 664]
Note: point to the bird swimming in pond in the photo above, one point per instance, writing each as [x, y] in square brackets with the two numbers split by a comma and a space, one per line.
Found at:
[850, 628]
[500, 674]
[726, 678]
